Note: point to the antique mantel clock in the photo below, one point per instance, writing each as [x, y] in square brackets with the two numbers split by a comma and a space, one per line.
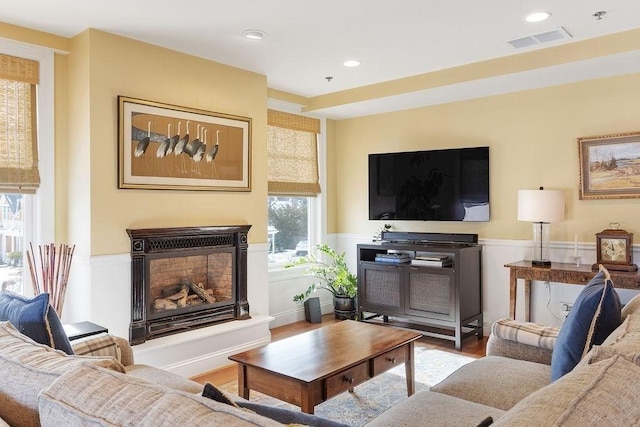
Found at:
[614, 249]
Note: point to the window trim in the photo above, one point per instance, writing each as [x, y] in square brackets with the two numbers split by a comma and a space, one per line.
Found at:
[39, 209]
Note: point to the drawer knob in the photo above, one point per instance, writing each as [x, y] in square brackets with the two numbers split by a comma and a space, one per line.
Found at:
[348, 379]
[391, 359]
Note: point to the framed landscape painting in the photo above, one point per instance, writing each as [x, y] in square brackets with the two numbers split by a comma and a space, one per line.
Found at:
[164, 146]
[609, 166]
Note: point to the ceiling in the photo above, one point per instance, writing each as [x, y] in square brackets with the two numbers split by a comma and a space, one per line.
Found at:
[307, 41]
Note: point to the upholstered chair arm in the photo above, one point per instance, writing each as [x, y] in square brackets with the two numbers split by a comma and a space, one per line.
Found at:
[104, 345]
[522, 340]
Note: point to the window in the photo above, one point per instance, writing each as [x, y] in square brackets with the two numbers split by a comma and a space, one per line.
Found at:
[289, 219]
[292, 169]
[26, 202]
[11, 241]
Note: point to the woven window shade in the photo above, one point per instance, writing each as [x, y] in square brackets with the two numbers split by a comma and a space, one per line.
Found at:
[19, 69]
[18, 136]
[292, 147]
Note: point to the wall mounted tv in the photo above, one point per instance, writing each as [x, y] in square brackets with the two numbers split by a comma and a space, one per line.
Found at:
[434, 185]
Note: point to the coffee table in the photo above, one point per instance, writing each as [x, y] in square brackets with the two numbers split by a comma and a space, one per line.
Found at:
[312, 367]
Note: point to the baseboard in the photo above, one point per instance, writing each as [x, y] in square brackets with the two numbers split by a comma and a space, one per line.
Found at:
[296, 315]
[205, 349]
[212, 361]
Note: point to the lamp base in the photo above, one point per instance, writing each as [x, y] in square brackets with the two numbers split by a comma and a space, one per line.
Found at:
[540, 263]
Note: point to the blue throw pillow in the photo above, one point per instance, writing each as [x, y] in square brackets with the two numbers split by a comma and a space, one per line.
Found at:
[35, 318]
[594, 316]
[283, 416]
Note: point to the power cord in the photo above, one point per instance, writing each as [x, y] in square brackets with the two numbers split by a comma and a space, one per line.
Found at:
[548, 286]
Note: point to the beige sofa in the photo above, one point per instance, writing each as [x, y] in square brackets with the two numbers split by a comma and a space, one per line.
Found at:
[100, 385]
[510, 386]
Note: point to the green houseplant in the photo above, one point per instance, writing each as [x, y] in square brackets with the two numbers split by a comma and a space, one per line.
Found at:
[334, 276]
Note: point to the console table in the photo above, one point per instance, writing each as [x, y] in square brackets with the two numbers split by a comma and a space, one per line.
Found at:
[559, 273]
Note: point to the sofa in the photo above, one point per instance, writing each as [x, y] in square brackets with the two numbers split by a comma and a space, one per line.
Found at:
[520, 381]
[512, 386]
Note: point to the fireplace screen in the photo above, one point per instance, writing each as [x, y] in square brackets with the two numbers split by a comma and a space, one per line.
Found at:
[185, 282]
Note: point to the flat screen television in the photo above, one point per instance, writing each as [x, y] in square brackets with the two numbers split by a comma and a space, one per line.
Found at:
[434, 185]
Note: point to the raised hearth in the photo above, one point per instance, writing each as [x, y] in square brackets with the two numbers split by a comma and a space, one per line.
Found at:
[185, 278]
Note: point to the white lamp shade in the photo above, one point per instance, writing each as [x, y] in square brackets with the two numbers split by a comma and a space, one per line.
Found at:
[540, 205]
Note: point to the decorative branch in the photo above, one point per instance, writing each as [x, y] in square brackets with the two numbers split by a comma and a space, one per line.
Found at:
[55, 265]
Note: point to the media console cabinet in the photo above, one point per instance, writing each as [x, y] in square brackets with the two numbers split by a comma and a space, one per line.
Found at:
[443, 302]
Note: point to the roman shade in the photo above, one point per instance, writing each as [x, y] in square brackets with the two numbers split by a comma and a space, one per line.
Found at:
[18, 131]
[292, 154]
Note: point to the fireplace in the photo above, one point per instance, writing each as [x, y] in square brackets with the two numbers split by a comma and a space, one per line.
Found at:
[187, 277]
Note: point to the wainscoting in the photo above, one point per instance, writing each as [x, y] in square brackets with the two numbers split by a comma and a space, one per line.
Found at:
[545, 299]
[106, 300]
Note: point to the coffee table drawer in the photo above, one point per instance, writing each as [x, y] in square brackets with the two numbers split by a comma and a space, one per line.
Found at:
[346, 380]
[388, 360]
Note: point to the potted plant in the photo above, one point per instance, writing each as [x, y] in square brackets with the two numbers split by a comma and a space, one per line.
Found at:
[334, 276]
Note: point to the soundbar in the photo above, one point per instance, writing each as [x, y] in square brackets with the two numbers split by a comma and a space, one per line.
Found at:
[416, 237]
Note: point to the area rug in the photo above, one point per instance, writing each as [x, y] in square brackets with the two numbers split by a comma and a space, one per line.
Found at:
[375, 396]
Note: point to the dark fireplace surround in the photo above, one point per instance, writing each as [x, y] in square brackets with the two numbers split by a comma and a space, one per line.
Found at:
[186, 277]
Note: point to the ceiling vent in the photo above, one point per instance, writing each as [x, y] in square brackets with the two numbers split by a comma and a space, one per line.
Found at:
[534, 39]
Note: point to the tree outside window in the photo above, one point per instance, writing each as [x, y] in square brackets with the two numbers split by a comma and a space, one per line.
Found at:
[288, 228]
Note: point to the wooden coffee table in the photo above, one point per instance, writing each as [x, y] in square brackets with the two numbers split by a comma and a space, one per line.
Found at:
[312, 367]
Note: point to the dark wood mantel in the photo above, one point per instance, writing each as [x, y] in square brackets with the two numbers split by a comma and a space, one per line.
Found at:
[559, 273]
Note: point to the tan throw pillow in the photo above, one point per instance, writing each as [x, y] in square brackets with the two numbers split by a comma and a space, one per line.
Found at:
[632, 307]
[28, 368]
[90, 395]
[624, 341]
[601, 394]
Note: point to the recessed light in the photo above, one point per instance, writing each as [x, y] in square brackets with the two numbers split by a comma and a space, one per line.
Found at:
[537, 16]
[254, 34]
[351, 63]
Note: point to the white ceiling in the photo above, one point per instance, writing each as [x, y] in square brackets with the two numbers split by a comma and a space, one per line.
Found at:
[308, 40]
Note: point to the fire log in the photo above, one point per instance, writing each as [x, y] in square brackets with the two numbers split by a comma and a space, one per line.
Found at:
[164, 304]
[200, 291]
[179, 295]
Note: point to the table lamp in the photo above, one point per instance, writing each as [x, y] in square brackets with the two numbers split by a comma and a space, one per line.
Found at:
[541, 207]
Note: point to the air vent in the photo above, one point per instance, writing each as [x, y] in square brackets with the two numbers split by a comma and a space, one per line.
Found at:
[534, 39]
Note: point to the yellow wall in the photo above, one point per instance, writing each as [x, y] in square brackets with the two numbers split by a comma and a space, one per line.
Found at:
[121, 66]
[13, 32]
[532, 139]
[92, 69]
[331, 190]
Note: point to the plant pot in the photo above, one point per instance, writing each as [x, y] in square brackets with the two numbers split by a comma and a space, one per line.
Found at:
[312, 312]
[344, 307]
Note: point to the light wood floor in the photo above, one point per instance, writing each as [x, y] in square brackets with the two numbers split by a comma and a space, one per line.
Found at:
[471, 346]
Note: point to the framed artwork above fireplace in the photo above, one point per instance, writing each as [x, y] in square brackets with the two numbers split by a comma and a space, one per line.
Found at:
[164, 146]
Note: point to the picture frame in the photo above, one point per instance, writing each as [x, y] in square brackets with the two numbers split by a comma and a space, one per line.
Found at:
[169, 147]
[609, 166]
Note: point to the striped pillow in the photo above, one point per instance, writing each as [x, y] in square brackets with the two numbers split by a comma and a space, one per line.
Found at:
[528, 333]
[97, 345]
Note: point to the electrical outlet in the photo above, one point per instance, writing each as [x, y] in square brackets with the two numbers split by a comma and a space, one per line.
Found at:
[565, 308]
